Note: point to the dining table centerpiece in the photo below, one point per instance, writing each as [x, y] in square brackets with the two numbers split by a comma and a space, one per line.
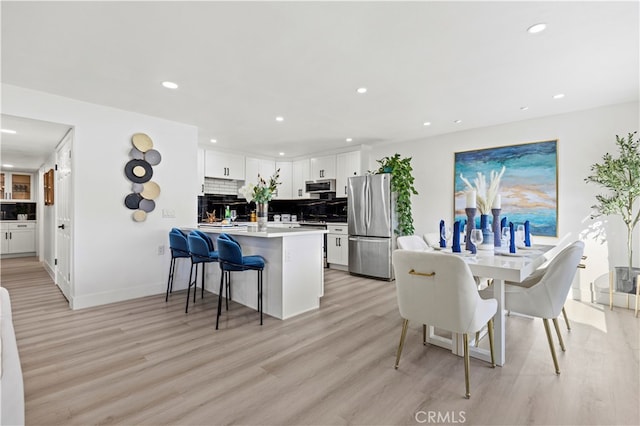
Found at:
[261, 193]
[487, 201]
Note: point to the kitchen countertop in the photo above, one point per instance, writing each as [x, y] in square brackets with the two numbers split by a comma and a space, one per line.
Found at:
[18, 221]
[271, 232]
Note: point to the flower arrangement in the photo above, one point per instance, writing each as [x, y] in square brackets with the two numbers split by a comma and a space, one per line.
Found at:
[485, 195]
[261, 192]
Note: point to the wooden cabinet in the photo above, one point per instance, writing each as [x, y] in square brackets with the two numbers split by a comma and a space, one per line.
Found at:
[224, 165]
[347, 165]
[323, 167]
[285, 191]
[300, 174]
[16, 186]
[337, 244]
[201, 167]
[257, 166]
[18, 238]
[49, 184]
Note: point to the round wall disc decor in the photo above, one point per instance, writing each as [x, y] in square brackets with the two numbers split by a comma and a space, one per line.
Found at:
[139, 171]
[151, 190]
[136, 154]
[143, 171]
[132, 201]
[147, 205]
[137, 187]
[139, 215]
[142, 141]
[152, 157]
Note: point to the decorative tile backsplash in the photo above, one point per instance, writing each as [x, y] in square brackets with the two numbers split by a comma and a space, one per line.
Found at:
[221, 186]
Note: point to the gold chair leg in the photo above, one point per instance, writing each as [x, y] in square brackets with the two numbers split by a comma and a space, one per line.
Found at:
[465, 340]
[555, 324]
[477, 338]
[550, 340]
[402, 336]
[424, 334]
[490, 330]
[566, 319]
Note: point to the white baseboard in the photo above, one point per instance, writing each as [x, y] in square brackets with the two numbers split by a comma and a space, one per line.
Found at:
[119, 295]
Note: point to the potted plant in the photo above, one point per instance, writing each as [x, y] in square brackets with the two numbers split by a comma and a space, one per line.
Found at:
[621, 177]
[402, 184]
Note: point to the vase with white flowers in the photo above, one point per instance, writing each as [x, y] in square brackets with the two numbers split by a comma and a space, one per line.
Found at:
[261, 193]
[487, 198]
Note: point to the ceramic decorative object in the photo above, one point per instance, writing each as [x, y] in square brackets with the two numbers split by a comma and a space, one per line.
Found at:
[497, 231]
[263, 215]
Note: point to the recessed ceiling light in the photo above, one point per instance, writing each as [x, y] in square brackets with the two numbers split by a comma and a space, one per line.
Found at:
[282, 153]
[348, 139]
[362, 90]
[279, 118]
[11, 132]
[458, 121]
[558, 96]
[169, 84]
[524, 108]
[7, 165]
[213, 140]
[426, 123]
[536, 28]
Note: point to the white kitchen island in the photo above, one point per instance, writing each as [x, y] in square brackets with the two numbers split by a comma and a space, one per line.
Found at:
[293, 277]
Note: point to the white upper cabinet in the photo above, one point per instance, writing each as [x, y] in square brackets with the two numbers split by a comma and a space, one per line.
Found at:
[258, 166]
[200, 167]
[17, 186]
[285, 191]
[224, 165]
[347, 165]
[300, 175]
[323, 167]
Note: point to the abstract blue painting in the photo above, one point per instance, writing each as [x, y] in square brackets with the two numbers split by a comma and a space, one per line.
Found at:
[528, 188]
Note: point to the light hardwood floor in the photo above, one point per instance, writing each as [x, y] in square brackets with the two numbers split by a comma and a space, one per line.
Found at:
[145, 361]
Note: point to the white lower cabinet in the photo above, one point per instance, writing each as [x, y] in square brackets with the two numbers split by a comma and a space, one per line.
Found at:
[18, 238]
[337, 245]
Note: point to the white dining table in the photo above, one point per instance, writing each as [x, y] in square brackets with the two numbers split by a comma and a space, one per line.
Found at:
[500, 266]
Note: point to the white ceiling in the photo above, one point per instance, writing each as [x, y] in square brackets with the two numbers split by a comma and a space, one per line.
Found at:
[32, 143]
[241, 64]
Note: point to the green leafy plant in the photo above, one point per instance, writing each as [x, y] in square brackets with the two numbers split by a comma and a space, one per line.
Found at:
[402, 185]
[621, 176]
[262, 192]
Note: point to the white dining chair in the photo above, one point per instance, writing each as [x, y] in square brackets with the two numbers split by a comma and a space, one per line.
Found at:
[412, 242]
[439, 290]
[432, 239]
[545, 298]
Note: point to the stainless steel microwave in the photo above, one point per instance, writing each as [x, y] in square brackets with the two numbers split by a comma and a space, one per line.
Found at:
[319, 186]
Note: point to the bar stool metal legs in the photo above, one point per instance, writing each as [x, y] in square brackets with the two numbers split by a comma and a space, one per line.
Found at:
[225, 283]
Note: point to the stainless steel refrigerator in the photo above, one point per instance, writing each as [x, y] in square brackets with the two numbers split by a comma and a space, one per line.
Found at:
[372, 219]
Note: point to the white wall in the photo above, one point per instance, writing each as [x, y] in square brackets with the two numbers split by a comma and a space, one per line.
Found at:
[583, 138]
[46, 221]
[115, 257]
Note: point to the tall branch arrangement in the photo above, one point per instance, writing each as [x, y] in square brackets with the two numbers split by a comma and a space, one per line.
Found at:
[485, 195]
[621, 177]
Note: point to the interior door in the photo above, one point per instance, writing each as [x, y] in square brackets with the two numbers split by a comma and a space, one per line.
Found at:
[63, 203]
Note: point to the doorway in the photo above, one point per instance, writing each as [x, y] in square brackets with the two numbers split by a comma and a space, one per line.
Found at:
[32, 146]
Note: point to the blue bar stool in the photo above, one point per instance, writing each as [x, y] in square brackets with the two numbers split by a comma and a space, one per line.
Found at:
[202, 252]
[231, 259]
[179, 249]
